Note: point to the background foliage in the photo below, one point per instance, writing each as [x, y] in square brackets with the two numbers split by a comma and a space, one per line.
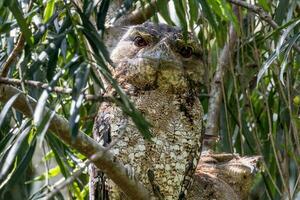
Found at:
[260, 112]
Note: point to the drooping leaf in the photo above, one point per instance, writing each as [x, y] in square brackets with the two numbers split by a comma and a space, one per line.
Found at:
[49, 10]
[193, 8]
[11, 155]
[22, 166]
[101, 14]
[14, 7]
[285, 34]
[81, 76]
[39, 112]
[43, 127]
[208, 13]
[58, 149]
[5, 27]
[180, 11]
[230, 14]
[287, 53]
[7, 106]
[269, 61]
[164, 11]
[281, 11]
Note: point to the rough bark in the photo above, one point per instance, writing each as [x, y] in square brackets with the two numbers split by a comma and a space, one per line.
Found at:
[215, 101]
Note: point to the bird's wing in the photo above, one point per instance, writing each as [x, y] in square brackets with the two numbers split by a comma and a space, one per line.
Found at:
[102, 134]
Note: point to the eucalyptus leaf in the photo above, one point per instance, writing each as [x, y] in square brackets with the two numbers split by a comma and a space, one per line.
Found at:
[14, 7]
[11, 155]
[6, 107]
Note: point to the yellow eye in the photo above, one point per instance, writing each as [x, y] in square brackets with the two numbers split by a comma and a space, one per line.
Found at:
[139, 41]
[186, 51]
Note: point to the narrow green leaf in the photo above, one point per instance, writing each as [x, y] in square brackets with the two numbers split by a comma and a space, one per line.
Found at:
[193, 7]
[230, 14]
[164, 11]
[269, 61]
[281, 11]
[5, 27]
[43, 127]
[6, 107]
[39, 109]
[101, 14]
[15, 8]
[49, 10]
[12, 154]
[58, 149]
[81, 76]
[55, 171]
[286, 56]
[97, 44]
[97, 80]
[181, 16]
[208, 14]
[22, 166]
[5, 142]
[285, 34]
[216, 8]
[38, 115]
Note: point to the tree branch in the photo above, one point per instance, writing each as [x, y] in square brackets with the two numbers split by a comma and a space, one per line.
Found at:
[83, 144]
[262, 14]
[35, 84]
[139, 15]
[68, 91]
[215, 100]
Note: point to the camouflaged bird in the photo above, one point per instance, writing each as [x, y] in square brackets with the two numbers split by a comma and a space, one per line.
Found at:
[161, 73]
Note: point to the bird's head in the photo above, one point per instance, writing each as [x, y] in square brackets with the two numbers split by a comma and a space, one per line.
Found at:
[151, 56]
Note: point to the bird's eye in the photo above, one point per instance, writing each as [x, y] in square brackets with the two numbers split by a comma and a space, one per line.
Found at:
[186, 51]
[139, 41]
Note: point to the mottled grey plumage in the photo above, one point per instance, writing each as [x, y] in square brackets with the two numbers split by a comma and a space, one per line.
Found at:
[160, 72]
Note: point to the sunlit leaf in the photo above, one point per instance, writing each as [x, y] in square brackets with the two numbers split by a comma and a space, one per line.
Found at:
[59, 154]
[49, 10]
[81, 76]
[164, 11]
[287, 53]
[193, 8]
[55, 171]
[269, 61]
[285, 34]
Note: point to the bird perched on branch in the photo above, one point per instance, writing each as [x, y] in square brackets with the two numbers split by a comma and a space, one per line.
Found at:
[160, 71]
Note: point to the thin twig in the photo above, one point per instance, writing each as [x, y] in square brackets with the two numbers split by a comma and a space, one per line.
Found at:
[262, 14]
[37, 84]
[68, 91]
